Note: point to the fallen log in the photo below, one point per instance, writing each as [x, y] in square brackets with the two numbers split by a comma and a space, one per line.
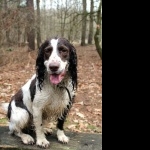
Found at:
[78, 141]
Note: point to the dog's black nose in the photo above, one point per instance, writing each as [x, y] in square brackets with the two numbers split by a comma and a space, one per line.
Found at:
[53, 67]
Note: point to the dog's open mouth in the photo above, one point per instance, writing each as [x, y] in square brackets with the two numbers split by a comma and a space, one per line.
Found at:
[57, 78]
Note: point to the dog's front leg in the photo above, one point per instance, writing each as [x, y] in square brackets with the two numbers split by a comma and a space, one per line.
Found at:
[37, 118]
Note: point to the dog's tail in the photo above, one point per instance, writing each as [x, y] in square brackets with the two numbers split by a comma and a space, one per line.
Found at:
[4, 108]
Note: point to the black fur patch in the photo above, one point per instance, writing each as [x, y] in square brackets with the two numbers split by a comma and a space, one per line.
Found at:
[18, 98]
[60, 121]
[9, 110]
[32, 89]
[40, 67]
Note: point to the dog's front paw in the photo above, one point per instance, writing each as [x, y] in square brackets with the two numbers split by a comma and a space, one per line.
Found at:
[62, 137]
[43, 143]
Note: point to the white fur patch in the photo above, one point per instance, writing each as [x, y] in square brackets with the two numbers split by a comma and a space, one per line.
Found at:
[19, 118]
[62, 137]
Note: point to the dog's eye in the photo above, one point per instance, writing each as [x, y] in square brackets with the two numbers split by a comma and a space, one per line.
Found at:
[48, 50]
[62, 49]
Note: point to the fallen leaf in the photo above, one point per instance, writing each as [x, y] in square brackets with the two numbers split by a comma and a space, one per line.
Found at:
[7, 84]
[82, 125]
[97, 109]
[76, 109]
[79, 103]
[80, 114]
[76, 121]
[72, 126]
[4, 95]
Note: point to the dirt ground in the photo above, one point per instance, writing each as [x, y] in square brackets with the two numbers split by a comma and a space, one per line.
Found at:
[86, 113]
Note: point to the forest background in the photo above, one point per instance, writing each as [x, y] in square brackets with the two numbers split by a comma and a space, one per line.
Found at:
[25, 24]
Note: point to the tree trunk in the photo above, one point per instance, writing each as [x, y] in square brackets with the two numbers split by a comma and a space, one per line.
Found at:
[97, 36]
[83, 35]
[90, 37]
[44, 20]
[62, 30]
[30, 25]
[19, 31]
[38, 24]
[8, 30]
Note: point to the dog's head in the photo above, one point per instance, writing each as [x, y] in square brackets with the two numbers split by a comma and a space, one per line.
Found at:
[56, 58]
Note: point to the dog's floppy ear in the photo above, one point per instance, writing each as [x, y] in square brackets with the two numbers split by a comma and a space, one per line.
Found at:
[40, 67]
[73, 65]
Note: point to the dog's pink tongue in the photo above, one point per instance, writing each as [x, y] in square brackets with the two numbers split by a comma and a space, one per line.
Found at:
[56, 78]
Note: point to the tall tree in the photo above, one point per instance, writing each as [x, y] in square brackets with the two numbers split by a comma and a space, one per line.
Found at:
[18, 23]
[90, 36]
[8, 30]
[30, 25]
[83, 33]
[44, 19]
[38, 24]
[97, 36]
[1, 4]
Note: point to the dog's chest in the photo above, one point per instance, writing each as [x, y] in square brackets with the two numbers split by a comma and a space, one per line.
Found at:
[56, 103]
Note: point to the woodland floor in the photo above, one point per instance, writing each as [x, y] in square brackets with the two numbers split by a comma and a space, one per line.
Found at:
[18, 65]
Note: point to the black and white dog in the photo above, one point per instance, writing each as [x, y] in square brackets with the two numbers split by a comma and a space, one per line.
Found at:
[48, 95]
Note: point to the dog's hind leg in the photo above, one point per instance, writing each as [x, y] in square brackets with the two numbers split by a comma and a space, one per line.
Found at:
[26, 138]
[19, 119]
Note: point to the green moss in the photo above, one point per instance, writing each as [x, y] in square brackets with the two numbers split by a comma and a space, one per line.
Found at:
[3, 121]
[95, 129]
[92, 127]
